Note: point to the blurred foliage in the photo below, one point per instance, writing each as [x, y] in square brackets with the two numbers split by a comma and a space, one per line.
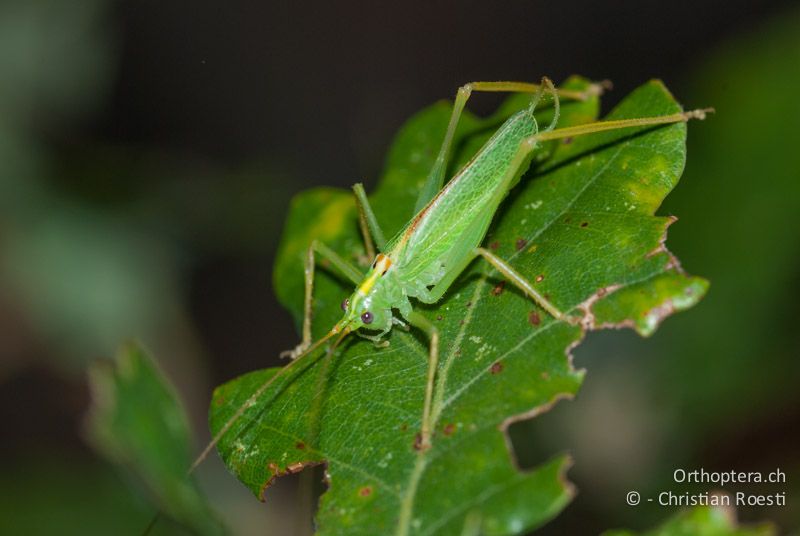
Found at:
[69, 265]
[135, 421]
[94, 250]
[730, 368]
[584, 217]
[97, 239]
[58, 55]
[739, 204]
[701, 521]
[44, 492]
[55, 60]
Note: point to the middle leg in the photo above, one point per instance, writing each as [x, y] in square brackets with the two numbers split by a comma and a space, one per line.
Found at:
[418, 320]
[521, 283]
[347, 269]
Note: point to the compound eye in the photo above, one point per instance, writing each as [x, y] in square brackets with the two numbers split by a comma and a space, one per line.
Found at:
[367, 317]
[345, 304]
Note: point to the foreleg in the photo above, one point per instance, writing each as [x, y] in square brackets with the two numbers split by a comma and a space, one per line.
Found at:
[346, 268]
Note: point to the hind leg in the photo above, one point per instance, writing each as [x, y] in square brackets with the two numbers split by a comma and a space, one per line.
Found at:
[435, 179]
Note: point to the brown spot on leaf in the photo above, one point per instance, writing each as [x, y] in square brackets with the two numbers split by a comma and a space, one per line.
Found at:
[403, 427]
[469, 304]
[365, 491]
[567, 219]
[601, 292]
[438, 317]
[449, 429]
[418, 441]
[273, 467]
[498, 289]
[534, 319]
[219, 400]
[539, 278]
[496, 368]
[295, 467]
[300, 445]
[520, 244]
[585, 224]
[567, 140]
[461, 322]
[494, 245]
[545, 375]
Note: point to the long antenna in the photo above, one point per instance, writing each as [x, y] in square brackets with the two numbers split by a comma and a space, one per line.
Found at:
[255, 396]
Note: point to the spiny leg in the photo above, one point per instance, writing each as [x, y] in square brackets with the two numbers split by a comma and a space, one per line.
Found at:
[529, 144]
[506, 271]
[417, 320]
[435, 179]
[548, 87]
[308, 275]
[523, 152]
[434, 294]
[521, 283]
[370, 228]
[593, 90]
[602, 126]
[347, 269]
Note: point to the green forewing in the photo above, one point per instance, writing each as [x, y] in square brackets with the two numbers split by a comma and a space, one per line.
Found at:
[454, 222]
[580, 224]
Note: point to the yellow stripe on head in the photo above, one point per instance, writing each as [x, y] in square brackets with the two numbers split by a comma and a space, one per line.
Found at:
[379, 267]
[368, 283]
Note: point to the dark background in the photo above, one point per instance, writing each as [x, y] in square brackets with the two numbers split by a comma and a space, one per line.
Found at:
[148, 151]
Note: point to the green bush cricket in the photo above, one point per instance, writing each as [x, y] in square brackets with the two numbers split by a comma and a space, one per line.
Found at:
[424, 259]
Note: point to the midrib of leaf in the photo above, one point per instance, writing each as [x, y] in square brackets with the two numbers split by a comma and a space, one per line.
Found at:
[490, 492]
[457, 393]
[571, 202]
[257, 422]
[440, 405]
[333, 459]
[422, 458]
